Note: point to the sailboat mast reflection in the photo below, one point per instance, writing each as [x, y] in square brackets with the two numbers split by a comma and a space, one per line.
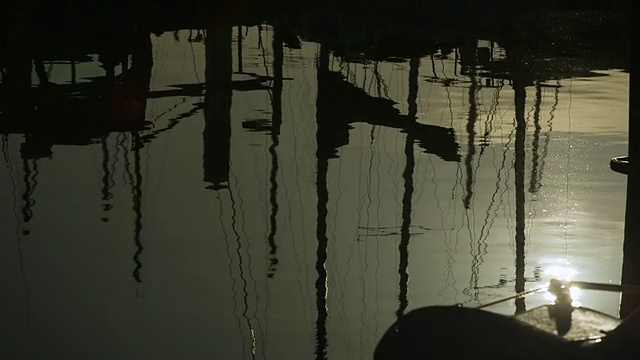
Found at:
[519, 169]
[7, 159]
[107, 177]
[217, 160]
[469, 62]
[276, 122]
[137, 205]
[534, 184]
[140, 75]
[323, 153]
[30, 183]
[407, 175]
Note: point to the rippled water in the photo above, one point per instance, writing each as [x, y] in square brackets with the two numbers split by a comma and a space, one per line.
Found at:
[299, 213]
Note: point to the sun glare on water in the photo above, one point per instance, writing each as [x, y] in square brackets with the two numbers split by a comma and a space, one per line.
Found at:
[560, 269]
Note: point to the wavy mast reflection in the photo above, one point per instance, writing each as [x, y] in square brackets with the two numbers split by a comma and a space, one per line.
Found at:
[19, 239]
[451, 244]
[107, 177]
[520, 78]
[137, 206]
[30, 180]
[407, 175]
[217, 159]
[537, 181]
[519, 84]
[469, 63]
[276, 122]
[350, 104]
[323, 153]
[534, 184]
[230, 258]
[140, 75]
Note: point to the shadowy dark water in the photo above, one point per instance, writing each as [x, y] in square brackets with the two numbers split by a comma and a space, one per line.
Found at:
[285, 191]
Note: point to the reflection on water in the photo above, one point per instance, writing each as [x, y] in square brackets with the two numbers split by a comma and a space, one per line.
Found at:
[277, 192]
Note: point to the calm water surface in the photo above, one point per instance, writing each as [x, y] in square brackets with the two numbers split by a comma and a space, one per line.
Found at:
[301, 212]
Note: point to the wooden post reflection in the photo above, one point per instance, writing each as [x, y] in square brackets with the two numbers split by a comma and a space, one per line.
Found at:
[217, 111]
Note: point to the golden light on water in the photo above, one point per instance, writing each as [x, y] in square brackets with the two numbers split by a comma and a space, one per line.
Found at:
[575, 292]
[560, 273]
[560, 269]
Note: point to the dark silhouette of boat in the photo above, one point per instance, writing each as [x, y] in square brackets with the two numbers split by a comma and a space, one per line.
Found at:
[453, 332]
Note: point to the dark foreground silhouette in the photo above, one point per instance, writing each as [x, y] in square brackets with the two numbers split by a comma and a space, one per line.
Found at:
[452, 332]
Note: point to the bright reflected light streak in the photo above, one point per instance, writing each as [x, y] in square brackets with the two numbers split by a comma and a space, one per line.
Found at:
[253, 342]
[560, 272]
[559, 269]
[575, 292]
